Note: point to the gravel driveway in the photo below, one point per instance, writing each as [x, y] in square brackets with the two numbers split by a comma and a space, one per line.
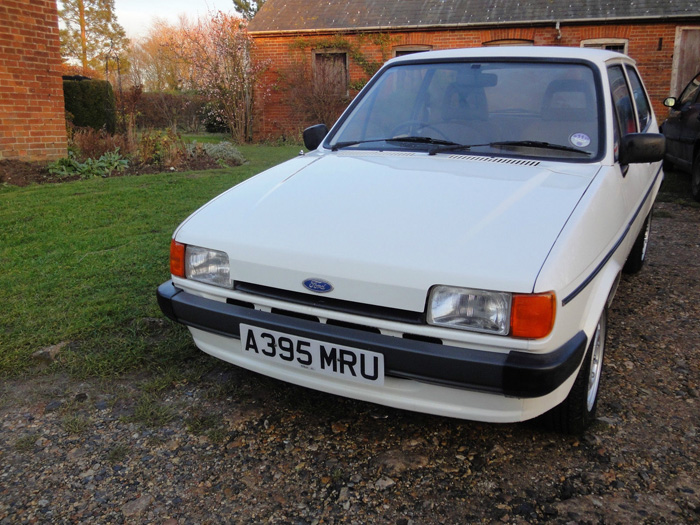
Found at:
[236, 447]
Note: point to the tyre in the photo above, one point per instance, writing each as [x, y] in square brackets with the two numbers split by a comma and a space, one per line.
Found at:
[577, 411]
[695, 178]
[636, 258]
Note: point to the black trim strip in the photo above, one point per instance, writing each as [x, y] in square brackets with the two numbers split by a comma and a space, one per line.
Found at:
[517, 374]
[609, 255]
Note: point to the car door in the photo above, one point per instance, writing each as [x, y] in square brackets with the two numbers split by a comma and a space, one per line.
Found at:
[682, 127]
[632, 115]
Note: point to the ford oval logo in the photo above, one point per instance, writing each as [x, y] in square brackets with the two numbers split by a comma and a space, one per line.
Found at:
[318, 285]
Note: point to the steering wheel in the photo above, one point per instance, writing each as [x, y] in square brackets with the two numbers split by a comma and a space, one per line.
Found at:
[410, 125]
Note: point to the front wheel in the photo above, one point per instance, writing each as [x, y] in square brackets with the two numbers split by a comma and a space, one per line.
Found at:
[638, 254]
[577, 411]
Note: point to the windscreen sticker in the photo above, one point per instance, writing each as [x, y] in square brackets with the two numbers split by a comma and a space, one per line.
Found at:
[580, 140]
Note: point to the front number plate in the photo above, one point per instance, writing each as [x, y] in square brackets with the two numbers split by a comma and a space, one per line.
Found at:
[352, 364]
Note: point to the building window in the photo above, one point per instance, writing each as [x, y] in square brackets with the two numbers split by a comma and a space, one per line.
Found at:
[409, 50]
[331, 71]
[509, 42]
[611, 44]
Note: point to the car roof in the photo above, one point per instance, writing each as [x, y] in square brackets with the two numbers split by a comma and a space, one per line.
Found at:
[599, 56]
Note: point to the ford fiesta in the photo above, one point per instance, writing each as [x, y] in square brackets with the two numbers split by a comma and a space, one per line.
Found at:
[450, 246]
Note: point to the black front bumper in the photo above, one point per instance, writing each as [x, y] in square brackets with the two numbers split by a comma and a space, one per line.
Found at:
[517, 374]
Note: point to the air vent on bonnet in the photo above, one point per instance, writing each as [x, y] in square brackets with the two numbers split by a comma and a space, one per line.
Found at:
[497, 160]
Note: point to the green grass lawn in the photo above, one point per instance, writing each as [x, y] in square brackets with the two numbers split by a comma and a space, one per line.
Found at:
[80, 262]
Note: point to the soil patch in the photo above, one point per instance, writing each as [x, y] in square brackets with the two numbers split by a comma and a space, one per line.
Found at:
[22, 173]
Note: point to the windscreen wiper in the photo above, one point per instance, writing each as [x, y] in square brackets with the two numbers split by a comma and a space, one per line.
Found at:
[526, 143]
[415, 140]
[540, 144]
[423, 140]
[454, 147]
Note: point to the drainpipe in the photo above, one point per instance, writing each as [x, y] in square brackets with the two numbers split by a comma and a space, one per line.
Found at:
[558, 28]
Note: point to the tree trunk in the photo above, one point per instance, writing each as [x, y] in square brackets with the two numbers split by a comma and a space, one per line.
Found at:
[83, 38]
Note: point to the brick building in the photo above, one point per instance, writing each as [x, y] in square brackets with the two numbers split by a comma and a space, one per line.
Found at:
[346, 40]
[32, 120]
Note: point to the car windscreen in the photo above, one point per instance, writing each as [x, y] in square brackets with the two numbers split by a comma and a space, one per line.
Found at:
[539, 109]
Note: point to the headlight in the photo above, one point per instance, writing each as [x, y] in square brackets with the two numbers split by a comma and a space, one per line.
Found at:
[467, 309]
[207, 266]
[526, 316]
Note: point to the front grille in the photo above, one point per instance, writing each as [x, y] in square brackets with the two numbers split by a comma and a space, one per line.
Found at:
[423, 338]
[297, 315]
[354, 326]
[335, 305]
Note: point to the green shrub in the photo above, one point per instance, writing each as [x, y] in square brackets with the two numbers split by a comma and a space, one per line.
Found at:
[91, 102]
[102, 167]
[157, 110]
[164, 148]
[92, 144]
[225, 153]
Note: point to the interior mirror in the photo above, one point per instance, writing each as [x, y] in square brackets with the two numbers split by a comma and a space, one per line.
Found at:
[638, 148]
[314, 135]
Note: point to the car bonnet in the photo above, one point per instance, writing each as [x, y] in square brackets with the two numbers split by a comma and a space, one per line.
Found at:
[384, 227]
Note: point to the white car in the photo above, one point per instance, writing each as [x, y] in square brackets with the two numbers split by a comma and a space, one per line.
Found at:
[450, 246]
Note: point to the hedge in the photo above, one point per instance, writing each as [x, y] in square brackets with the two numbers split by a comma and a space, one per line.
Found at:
[91, 102]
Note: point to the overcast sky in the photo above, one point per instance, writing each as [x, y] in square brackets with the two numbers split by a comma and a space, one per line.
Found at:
[136, 16]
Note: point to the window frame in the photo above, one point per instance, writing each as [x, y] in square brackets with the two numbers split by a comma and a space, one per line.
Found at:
[346, 66]
[601, 43]
[400, 51]
[508, 42]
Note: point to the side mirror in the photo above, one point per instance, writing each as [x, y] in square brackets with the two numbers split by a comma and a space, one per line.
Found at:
[314, 135]
[670, 102]
[638, 148]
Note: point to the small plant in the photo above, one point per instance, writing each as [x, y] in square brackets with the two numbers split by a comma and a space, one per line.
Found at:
[217, 435]
[199, 423]
[112, 161]
[65, 166]
[118, 453]
[206, 424]
[162, 148]
[75, 424]
[102, 167]
[93, 144]
[165, 379]
[150, 412]
[224, 153]
[26, 443]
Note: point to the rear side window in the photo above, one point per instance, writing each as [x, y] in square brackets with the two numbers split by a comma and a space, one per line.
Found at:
[640, 98]
[622, 100]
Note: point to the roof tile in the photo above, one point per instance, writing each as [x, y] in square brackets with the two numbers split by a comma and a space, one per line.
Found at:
[301, 15]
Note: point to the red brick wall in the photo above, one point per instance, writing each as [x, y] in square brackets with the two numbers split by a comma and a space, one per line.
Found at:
[651, 45]
[32, 120]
